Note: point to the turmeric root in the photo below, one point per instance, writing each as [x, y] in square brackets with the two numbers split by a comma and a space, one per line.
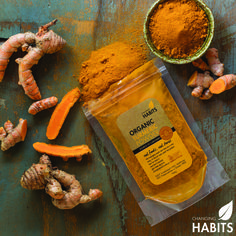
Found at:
[214, 63]
[35, 177]
[201, 83]
[10, 135]
[73, 194]
[60, 113]
[47, 42]
[199, 63]
[42, 105]
[223, 83]
[54, 181]
[62, 151]
[11, 46]
[54, 189]
[206, 94]
[26, 79]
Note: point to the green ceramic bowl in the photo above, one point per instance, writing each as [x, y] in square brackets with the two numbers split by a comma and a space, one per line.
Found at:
[189, 59]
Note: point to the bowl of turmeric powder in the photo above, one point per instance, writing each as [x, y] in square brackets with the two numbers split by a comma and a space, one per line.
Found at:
[179, 32]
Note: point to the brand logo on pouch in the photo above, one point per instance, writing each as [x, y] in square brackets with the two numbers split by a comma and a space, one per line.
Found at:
[214, 224]
[151, 109]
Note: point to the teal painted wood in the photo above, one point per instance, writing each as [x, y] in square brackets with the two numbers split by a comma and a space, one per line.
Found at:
[86, 26]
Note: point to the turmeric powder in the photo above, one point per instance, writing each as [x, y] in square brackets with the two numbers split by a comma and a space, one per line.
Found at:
[178, 28]
[157, 146]
[108, 65]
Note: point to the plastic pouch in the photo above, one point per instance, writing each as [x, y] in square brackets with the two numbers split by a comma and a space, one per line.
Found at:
[155, 142]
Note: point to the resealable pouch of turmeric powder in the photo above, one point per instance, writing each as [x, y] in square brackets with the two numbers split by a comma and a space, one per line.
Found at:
[155, 142]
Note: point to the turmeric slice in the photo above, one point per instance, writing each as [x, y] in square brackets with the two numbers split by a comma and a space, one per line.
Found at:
[62, 151]
[60, 113]
[223, 83]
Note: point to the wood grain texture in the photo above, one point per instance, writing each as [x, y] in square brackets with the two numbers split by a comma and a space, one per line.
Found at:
[86, 26]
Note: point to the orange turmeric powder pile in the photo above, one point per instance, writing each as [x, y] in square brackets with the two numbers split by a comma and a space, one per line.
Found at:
[108, 65]
[178, 28]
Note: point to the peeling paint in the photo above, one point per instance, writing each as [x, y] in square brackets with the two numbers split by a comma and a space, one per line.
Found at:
[2, 103]
[80, 27]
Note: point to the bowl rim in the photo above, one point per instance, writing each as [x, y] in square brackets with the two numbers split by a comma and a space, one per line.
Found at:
[189, 59]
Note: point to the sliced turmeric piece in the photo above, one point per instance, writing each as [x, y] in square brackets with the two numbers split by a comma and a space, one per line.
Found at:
[60, 113]
[223, 83]
[62, 151]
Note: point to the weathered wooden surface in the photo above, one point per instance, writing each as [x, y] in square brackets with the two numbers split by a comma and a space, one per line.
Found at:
[86, 26]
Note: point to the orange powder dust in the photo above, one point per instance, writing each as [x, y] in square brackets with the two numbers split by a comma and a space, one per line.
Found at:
[178, 28]
[108, 65]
